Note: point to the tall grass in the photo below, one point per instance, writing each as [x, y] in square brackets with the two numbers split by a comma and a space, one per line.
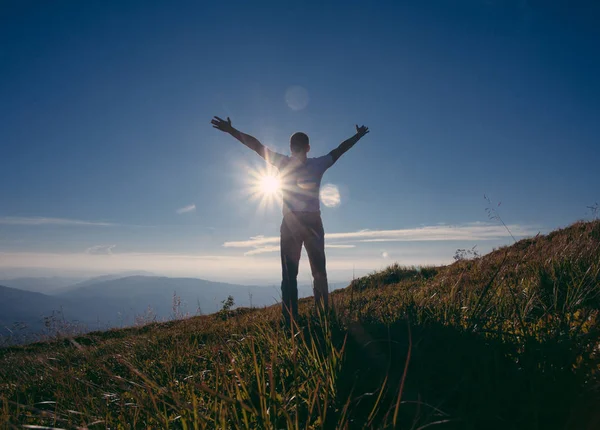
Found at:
[507, 340]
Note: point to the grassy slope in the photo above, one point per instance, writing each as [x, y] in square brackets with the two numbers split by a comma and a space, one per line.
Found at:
[508, 340]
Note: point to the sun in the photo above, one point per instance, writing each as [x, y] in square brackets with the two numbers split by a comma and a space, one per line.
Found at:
[263, 185]
[269, 184]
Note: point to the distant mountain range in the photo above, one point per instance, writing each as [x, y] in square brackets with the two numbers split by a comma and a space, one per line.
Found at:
[117, 300]
[47, 285]
[60, 284]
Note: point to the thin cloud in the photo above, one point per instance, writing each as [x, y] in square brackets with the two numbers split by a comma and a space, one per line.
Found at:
[100, 250]
[186, 209]
[51, 221]
[254, 241]
[267, 249]
[472, 231]
[263, 250]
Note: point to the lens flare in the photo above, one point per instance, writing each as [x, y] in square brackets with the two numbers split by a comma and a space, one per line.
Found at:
[296, 97]
[330, 195]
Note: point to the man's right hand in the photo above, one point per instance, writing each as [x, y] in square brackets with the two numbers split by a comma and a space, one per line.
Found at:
[221, 124]
[362, 130]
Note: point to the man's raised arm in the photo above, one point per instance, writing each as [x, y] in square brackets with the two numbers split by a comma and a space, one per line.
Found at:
[250, 141]
[349, 143]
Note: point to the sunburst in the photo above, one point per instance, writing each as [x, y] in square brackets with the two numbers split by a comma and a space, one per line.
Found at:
[265, 187]
[269, 184]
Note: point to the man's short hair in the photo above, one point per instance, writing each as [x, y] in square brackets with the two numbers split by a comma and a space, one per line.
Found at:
[299, 142]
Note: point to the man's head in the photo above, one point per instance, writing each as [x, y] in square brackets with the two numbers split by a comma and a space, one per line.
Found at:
[299, 143]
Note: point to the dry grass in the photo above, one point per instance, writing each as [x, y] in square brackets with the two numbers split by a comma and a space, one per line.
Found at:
[507, 340]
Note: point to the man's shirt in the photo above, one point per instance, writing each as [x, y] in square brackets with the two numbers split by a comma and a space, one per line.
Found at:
[300, 180]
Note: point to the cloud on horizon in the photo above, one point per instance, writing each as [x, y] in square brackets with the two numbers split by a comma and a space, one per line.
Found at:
[275, 248]
[7, 220]
[186, 209]
[225, 268]
[471, 232]
[261, 263]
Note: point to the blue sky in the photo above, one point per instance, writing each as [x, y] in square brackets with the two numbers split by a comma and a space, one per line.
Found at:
[105, 133]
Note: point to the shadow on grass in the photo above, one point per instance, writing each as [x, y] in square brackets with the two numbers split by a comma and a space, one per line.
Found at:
[456, 379]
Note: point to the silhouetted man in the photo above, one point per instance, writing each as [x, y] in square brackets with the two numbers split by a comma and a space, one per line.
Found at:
[300, 183]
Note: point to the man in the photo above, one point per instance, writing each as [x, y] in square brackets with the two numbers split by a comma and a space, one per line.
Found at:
[300, 183]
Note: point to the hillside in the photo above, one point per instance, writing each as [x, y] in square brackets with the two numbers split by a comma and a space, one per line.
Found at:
[507, 340]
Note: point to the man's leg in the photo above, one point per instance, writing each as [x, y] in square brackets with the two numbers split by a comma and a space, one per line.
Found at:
[314, 242]
[291, 248]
